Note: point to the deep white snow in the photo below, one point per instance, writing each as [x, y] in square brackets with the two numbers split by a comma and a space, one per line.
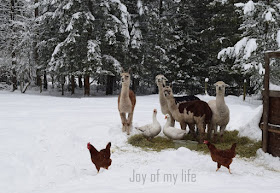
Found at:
[43, 149]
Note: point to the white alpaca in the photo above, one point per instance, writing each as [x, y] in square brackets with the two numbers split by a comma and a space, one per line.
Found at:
[161, 83]
[220, 110]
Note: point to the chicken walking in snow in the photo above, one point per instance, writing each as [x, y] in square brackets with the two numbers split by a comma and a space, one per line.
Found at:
[172, 132]
[222, 157]
[101, 159]
[151, 130]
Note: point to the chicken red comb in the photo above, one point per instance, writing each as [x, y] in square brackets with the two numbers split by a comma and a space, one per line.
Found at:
[205, 142]
[88, 145]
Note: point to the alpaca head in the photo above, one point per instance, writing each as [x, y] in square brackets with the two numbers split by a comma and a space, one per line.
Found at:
[220, 87]
[167, 91]
[125, 78]
[161, 80]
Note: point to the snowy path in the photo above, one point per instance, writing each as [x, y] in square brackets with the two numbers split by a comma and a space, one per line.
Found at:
[43, 149]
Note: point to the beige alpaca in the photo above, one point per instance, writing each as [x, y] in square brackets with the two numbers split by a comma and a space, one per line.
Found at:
[191, 112]
[161, 83]
[220, 110]
[126, 102]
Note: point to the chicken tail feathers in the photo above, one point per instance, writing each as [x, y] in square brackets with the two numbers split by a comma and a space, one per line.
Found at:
[91, 148]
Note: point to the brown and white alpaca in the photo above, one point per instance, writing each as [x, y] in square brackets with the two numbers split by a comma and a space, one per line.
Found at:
[126, 102]
[161, 83]
[191, 112]
[220, 111]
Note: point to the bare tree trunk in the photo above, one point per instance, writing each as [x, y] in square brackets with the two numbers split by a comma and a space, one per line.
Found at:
[45, 81]
[109, 85]
[14, 74]
[80, 82]
[62, 85]
[52, 81]
[87, 85]
[25, 88]
[135, 84]
[160, 8]
[38, 71]
[72, 84]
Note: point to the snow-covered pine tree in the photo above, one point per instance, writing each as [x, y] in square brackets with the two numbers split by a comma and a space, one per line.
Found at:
[151, 55]
[18, 38]
[78, 50]
[47, 30]
[220, 34]
[5, 41]
[261, 23]
[113, 23]
[180, 45]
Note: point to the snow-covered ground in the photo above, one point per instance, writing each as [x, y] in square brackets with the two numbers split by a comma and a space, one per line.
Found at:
[43, 149]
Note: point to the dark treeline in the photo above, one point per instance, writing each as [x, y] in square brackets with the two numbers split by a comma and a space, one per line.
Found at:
[78, 43]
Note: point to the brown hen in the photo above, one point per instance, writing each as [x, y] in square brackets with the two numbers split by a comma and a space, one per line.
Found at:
[222, 157]
[101, 159]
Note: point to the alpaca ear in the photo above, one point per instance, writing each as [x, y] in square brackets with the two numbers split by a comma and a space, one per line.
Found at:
[170, 85]
[122, 70]
[156, 78]
[129, 70]
[226, 85]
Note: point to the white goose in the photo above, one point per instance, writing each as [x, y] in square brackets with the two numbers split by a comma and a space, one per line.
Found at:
[172, 132]
[151, 130]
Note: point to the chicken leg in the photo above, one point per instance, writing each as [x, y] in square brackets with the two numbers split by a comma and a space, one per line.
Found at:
[218, 167]
[229, 170]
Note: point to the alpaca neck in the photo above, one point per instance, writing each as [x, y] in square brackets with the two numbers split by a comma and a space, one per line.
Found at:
[162, 99]
[125, 91]
[220, 101]
[172, 104]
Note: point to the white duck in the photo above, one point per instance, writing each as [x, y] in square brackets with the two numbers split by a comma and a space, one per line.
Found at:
[151, 130]
[172, 132]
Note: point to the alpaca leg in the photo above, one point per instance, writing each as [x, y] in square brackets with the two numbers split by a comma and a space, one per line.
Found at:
[222, 129]
[192, 129]
[214, 127]
[201, 132]
[183, 125]
[209, 131]
[129, 123]
[172, 121]
[123, 118]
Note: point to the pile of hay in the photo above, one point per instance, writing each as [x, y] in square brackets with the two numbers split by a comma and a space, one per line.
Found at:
[245, 146]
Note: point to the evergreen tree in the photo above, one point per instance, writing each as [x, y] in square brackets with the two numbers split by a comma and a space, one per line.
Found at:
[17, 37]
[78, 50]
[261, 22]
